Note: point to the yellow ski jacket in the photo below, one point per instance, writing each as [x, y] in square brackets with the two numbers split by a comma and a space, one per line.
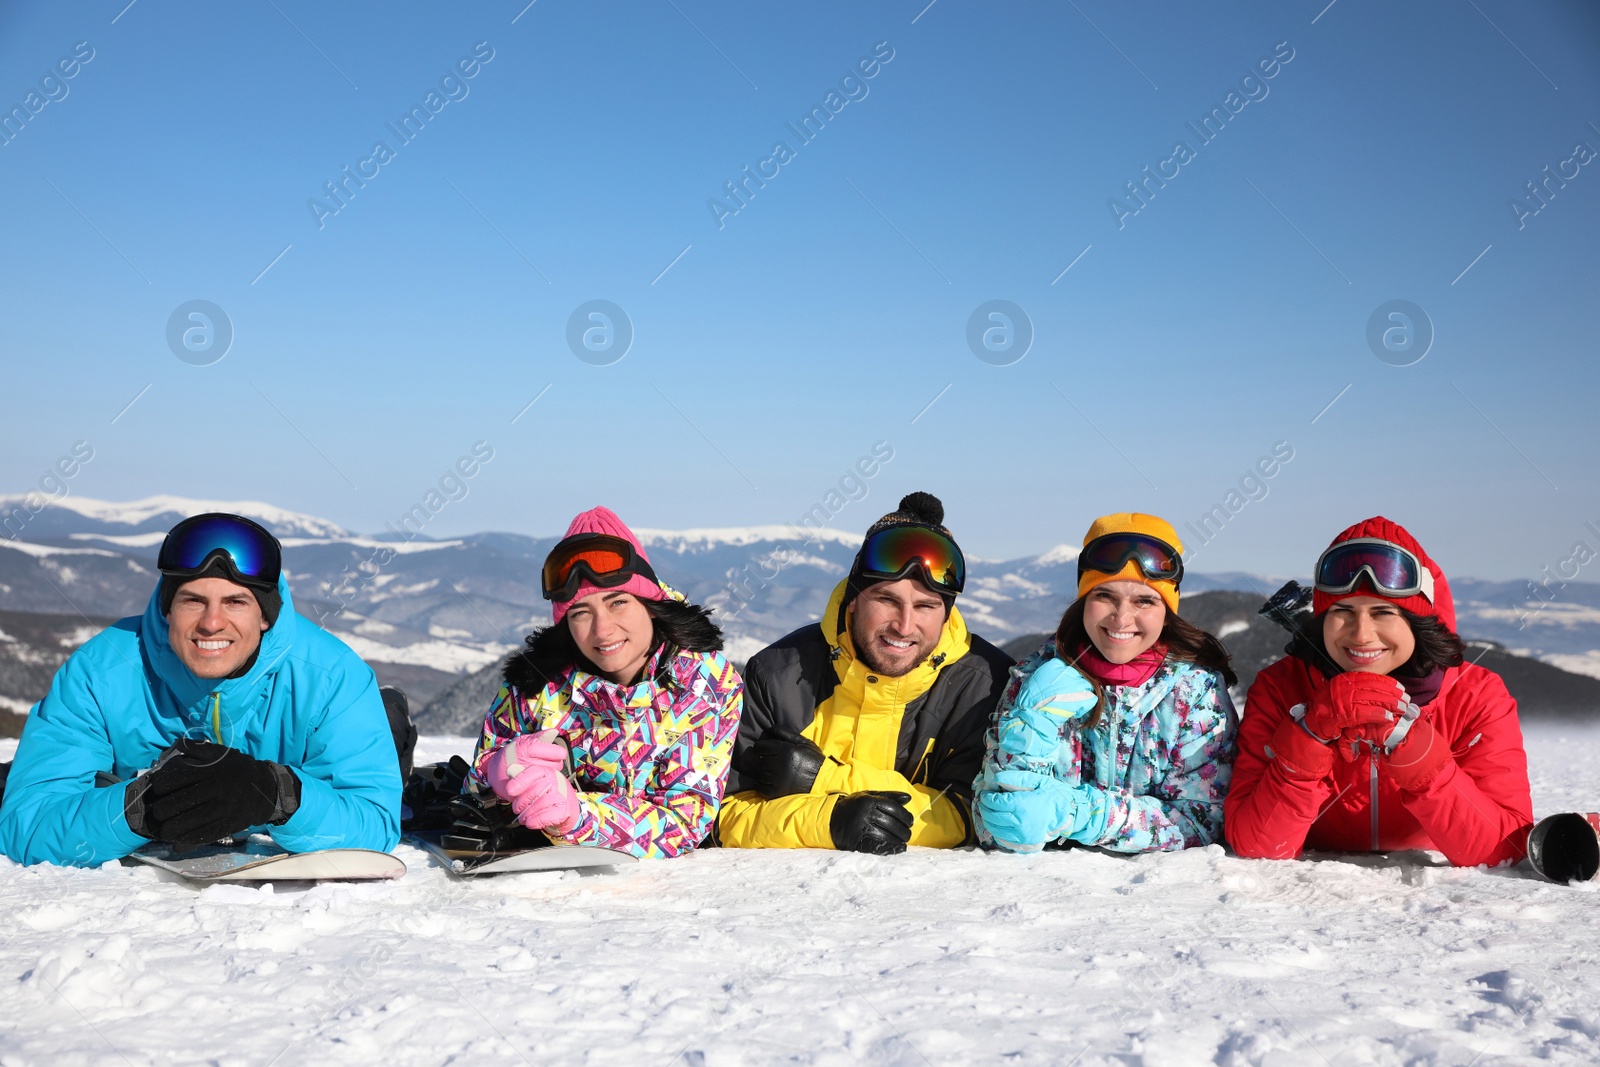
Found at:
[921, 734]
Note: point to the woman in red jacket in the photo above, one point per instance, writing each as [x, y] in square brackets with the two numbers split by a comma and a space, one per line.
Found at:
[1372, 734]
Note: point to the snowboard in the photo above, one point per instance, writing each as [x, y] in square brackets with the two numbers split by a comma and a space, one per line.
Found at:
[259, 860]
[469, 862]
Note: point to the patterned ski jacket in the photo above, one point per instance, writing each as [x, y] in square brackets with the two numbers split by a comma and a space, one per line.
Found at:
[1156, 765]
[651, 759]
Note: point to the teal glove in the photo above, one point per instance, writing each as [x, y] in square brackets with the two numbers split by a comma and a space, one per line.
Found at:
[1026, 811]
[1060, 691]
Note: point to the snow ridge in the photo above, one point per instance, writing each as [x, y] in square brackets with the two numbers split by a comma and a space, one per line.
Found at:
[737, 536]
[280, 521]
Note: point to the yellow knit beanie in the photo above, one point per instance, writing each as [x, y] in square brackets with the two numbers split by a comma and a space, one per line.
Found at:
[1132, 522]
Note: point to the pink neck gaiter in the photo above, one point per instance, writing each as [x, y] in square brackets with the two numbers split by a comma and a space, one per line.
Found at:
[1136, 671]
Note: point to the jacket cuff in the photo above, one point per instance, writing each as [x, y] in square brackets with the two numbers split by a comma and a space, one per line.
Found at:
[133, 812]
[1418, 761]
[820, 831]
[1298, 754]
[127, 838]
[832, 777]
[288, 794]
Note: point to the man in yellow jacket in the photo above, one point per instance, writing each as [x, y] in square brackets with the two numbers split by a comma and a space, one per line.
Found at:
[864, 732]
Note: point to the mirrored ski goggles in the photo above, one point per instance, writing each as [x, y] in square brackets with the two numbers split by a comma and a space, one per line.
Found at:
[246, 548]
[1390, 569]
[1156, 560]
[599, 559]
[897, 551]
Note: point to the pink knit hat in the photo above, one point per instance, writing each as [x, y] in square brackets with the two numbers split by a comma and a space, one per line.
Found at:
[603, 520]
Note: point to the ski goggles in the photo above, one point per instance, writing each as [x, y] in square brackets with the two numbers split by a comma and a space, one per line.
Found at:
[1156, 560]
[246, 549]
[1391, 570]
[599, 559]
[897, 552]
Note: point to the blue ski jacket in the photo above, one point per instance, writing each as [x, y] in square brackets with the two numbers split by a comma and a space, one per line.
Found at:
[308, 703]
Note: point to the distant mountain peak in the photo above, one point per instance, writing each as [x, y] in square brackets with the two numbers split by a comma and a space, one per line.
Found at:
[1058, 554]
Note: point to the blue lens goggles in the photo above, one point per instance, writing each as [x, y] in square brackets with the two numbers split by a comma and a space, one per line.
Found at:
[248, 549]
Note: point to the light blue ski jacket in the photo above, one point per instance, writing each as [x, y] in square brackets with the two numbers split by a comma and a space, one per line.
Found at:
[308, 703]
[1151, 775]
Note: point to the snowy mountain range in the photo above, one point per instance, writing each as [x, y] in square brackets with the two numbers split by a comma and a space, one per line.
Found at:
[425, 612]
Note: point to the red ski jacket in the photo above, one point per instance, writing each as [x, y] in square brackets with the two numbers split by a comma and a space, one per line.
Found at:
[1477, 810]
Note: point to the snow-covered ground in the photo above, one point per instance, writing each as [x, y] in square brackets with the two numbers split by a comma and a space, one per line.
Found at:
[821, 958]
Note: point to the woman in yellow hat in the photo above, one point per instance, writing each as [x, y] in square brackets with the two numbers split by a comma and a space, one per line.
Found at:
[1118, 732]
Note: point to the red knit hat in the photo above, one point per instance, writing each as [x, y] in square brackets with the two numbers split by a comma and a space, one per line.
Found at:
[1443, 604]
[603, 520]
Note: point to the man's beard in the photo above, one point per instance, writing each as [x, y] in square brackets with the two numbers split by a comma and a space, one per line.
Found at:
[865, 649]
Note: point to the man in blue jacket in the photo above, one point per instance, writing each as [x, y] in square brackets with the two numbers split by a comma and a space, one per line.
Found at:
[218, 711]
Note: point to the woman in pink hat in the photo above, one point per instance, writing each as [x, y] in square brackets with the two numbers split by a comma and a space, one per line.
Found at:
[630, 680]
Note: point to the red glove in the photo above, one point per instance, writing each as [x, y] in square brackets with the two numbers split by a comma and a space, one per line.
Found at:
[1417, 760]
[1354, 698]
[1376, 737]
[1298, 754]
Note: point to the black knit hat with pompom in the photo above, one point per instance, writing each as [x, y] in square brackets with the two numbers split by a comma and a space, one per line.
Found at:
[916, 509]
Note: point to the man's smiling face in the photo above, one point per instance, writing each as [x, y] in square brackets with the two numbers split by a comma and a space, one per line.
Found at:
[214, 626]
[896, 625]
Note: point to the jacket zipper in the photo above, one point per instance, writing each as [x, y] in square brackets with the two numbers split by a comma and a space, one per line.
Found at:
[1372, 761]
[922, 764]
[216, 717]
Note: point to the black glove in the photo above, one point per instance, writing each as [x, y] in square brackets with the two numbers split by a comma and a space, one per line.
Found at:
[875, 822]
[200, 791]
[781, 763]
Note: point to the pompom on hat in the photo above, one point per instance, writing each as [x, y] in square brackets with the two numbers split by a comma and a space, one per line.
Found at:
[1442, 606]
[915, 509]
[1138, 523]
[602, 520]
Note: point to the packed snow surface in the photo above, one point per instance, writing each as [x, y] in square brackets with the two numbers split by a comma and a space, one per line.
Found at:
[822, 958]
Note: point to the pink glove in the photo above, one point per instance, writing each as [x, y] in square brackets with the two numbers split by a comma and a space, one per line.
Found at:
[519, 755]
[548, 803]
[530, 773]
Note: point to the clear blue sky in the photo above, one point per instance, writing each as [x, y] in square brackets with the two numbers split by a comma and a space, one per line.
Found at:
[830, 310]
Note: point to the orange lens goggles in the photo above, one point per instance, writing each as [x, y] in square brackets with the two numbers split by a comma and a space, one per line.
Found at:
[603, 560]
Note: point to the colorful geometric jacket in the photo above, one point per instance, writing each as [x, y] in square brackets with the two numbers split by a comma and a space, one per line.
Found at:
[1156, 766]
[651, 759]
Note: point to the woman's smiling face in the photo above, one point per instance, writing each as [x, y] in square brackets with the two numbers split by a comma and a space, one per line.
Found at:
[615, 630]
[1124, 619]
[1366, 633]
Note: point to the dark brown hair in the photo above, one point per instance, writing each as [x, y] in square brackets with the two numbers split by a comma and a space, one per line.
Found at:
[1437, 646]
[1183, 639]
